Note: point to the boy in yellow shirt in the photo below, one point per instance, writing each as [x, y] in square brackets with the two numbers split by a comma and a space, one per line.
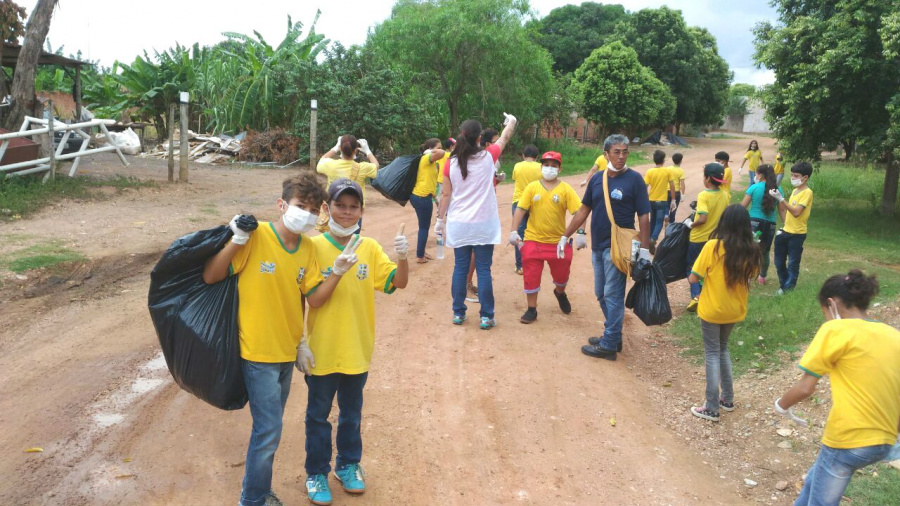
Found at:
[677, 175]
[860, 355]
[795, 215]
[662, 195]
[711, 203]
[524, 173]
[548, 200]
[275, 265]
[599, 166]
[341, 341]
[722, 159]
[779, 168]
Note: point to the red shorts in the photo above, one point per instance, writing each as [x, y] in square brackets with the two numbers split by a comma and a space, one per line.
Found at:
[534, 254]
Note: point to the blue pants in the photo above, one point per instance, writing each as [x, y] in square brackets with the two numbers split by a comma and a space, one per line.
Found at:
[484, 257]
[658, 212]
[424, 207]
[694, 249]
[767, 235]
[349, 390]
[788, 251]
[521, 230]
[268, 386]
[609, 287]
[830, 474]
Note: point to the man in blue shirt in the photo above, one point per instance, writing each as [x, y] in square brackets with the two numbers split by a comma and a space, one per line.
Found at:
[628, 197]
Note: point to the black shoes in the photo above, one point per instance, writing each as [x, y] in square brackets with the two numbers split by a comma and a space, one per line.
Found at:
[530, 316]
[595, 341]
[563, 300]
[598, 352]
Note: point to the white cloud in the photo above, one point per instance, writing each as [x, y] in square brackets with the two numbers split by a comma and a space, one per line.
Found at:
[753, 75]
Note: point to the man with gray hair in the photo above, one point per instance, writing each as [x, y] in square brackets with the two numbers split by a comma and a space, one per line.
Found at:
[628, 197]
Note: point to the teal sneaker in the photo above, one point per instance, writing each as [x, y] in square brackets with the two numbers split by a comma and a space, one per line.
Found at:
[488, 323]
[352, 478]
[459, 319]
[317, 489]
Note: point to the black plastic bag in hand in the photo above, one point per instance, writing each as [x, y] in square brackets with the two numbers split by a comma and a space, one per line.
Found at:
[649, 300]
[397, 180]
[197, 323]
[671, 252]
[640, 270]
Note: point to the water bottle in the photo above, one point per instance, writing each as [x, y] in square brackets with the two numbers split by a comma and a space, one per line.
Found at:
[757, 236]
[440, 246]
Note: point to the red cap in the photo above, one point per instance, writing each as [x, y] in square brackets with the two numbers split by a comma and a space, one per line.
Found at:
[552, 155]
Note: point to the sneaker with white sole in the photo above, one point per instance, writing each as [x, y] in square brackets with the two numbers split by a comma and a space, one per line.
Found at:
[488, 323]
[317, 489]
[352, 478]
[702, 412]
[472, 293]
[459, 319]
[726, 406]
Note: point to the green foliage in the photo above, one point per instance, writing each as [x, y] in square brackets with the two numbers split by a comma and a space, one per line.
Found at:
[475, 56]
[615, 90]
[39, 256]
[23, 195]
[577, 157]
[876, 485]
[739, 96]
[572, 32]
[102, 93]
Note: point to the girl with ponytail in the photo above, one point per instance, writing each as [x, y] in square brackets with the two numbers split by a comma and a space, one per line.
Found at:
[763, 212]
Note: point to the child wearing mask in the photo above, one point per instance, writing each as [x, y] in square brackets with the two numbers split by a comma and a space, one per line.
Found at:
[711, 203]
[795, 215]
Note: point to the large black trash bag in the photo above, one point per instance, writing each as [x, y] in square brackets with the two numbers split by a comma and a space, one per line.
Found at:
[397, 180]
[649, 300]
[197, 323]
[671, 252]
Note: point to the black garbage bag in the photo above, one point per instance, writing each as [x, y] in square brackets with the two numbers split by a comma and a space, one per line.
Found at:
[197, 323]
[671, 252]
[649, 300]
[640, 270]
[397, 180]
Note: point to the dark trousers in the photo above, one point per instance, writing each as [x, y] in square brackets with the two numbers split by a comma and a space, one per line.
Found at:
[788, 250]
[424, 207]
[322, 389]
[521, 230]
[677, 203]
[658, 213]
[694, 249]
[767, 234]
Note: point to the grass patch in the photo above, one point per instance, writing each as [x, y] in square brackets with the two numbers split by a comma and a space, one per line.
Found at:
[21, 196]
[38, 256]
[845, 232]
[209, 209]
[866, 489]
[577, 158]
[724, 136]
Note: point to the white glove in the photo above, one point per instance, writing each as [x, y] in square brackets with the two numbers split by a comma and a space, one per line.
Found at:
[561, 247]
[305, 361]
[500, 176]
[508, 118]
[401, 244]
[580, 241]
[689, 223]
[240, 236]
[740, 171]
[789, 413]
[347, 259]
[427, 152]
[364, 147]
[337, 147]
[584, 183]
[644, 254]
[439, 227]
[776, 194]
[672, 207]
[514, 238]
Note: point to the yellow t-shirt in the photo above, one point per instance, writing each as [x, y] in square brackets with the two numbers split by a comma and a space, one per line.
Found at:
[754, 157]
[426, 178]
[441, 163]
[337, 168]
[677, 175]
[712, 203]
[719, 303]
[524, 173]
[779, 167]
[601, 162]
[270, 281]
[658, 179]
[342, 331]
[547, 210]
[727, 184]
[798, 225]
[862, 358]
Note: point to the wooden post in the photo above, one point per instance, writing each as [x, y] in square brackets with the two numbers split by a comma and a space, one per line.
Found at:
[77, 93]
[183, 155]
[313, 117]
[50, 135]
[171, 142]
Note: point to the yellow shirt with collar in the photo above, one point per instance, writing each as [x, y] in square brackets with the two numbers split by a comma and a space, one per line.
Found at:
[338, 168]
[798, 225]
[677, 174]
[525, 173]
[547, 210]
[719, 303]
[426, 177]
[658, 179]
[712, 203]
[754, 157]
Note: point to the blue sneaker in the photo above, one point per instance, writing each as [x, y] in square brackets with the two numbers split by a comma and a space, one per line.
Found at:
[459, 319]
[488, 323]
[317, 489]
[352, 478]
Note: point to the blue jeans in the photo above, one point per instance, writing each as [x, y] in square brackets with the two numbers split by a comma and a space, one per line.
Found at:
[694, 249]
[658, 212]
[609, 287]
[349, 390]
[268, 386]
[484, 257]
[424, 207]
[830, 474]
[718, 363]
[788, 251]
[521, 230]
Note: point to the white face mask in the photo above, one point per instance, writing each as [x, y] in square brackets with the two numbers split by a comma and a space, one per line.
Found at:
[340, 231]
[609, 166]
[299, 221]
[796, 182]
[832, 306]
[549, 172]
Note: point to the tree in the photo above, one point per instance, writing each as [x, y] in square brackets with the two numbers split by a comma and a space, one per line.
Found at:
[11, 28]
[739, 96]
[22, 90]
[836, 79]
[572, 32]
[615, 90]
[476, 56]
[685, 59]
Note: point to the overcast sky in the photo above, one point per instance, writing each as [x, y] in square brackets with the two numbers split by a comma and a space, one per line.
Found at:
[109, 30]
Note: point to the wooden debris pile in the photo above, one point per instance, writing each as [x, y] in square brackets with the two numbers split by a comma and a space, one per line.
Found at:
[203, 148]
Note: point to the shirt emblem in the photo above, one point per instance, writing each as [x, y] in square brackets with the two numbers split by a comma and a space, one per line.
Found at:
[556, 199]
[616, 194]
[267, 267]
[536, 198]
[362, 271]
[326, 273]
[301, 275]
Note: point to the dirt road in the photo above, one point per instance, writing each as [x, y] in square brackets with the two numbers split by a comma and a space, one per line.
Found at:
[453, 415]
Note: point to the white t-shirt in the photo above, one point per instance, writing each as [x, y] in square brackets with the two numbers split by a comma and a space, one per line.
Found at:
[473, 218]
